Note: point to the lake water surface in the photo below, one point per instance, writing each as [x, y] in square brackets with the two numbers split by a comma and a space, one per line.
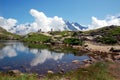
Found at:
[16, 56]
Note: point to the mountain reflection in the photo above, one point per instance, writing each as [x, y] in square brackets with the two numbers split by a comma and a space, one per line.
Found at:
[43, 55]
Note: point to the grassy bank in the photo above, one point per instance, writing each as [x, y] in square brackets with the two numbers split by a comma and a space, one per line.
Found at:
[97, 71]
[18, 77]
[36, 38]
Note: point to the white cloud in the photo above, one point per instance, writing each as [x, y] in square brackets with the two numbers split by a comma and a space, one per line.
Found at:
[47, 23]
[41, 22]
[7, 23]
[109, 20]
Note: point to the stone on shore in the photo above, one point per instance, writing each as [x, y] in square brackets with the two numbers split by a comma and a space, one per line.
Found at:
[87, 65]
[50, 72]
[76, 61]
[86, 61]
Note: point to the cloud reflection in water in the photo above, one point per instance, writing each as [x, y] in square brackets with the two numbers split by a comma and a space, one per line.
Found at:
[43, 55]
[11, 50]
[7, 51]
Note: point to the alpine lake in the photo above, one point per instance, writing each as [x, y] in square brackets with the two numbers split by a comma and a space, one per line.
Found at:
[16, 55]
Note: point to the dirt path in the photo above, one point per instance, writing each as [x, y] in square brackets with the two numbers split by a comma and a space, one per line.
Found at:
[47, 34]
[98, 47]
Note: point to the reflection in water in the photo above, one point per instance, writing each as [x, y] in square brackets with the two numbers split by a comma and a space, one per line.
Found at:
[20, 47]
[11, 48]
[15, 55]
[7, 51]
[43, 55]
[40, 55]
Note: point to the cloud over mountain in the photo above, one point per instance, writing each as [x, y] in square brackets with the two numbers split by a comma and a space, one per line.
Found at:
[47, 23]
[41, 22]
[7, 23]
[109, 20]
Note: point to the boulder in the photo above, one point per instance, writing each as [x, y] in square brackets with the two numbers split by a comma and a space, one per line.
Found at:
[14, 72]
[50, 72]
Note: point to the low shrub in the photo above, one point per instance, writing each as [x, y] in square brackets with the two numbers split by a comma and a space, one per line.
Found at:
[107, 40]
[73, 41]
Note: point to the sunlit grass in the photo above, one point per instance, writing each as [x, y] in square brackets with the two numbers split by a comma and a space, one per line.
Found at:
[37, 38]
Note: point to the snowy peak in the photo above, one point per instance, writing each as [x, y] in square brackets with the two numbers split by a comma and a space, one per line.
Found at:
[74, 26]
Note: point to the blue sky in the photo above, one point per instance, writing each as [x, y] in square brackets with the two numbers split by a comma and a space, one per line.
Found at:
[79, 11]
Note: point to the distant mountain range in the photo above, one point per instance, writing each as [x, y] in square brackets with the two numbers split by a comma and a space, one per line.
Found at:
[69, 26]
[74, 26]
[28, 28]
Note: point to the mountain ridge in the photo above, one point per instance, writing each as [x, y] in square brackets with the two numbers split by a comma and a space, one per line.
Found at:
[74, 26]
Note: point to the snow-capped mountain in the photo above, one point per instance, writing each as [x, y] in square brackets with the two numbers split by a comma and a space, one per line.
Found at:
[67, 26]
[24, 29]
[74, 26]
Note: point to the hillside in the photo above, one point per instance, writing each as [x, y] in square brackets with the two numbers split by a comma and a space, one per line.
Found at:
[36, 38]
[105, 31]
[5, 35]
[105, 35]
